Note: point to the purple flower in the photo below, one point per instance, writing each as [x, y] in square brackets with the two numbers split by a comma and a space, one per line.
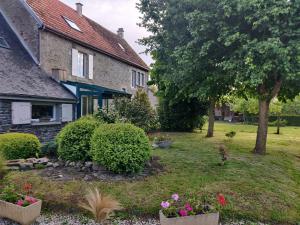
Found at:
[188, 207]
[183, 212]
[175, 197]
[165, 205]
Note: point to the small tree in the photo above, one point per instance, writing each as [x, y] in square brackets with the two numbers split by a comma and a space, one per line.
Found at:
[137, 111]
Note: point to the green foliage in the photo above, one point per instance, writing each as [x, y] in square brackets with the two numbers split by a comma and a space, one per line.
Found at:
[19, 145]
[121, 148]
[182, 115]
[49, 149]
[9, 194]
[107, 116]
[74, 139]
[137, 111]
[2, 167]
[230, 134]
[282, 123]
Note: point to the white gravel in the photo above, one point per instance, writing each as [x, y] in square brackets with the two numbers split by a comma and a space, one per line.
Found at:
[81, 220]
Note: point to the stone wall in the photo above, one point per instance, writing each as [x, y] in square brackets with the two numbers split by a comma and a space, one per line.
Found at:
[56, 53]
[23, 23]
[45, 133]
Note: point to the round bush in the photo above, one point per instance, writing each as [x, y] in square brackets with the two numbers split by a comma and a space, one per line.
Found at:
[74, 139]
[121, 148]
[19, 146]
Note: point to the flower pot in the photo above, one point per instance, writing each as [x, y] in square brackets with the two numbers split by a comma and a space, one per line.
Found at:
[203, 219]
[23, 215]
[163, 144]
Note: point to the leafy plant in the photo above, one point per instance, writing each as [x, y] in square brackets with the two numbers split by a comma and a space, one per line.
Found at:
[19, 145]
[9, 194]
[121, 148]
[49, 149]
[2, 166]
[230, 134]
[101, 206]
[107, 116]
[137, 111]
[191, 205]
[74, 139]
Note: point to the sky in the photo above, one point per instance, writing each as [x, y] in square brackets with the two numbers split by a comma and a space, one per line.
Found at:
[113, 14]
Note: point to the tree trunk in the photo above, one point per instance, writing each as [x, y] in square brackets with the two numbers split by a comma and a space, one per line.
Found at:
[211, 119]
[262, 131]
[278, 125]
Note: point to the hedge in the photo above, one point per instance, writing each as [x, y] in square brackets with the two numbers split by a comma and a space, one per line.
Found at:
[19, 146]
[293, 120]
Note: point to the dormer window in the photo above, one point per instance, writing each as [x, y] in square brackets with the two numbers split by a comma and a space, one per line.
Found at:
[72, 24]
[121, 46]
[3, 43]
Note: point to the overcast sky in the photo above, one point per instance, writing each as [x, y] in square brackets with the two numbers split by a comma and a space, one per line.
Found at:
[113, 14]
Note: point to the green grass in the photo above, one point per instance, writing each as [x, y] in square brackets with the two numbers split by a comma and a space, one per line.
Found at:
[264, 188]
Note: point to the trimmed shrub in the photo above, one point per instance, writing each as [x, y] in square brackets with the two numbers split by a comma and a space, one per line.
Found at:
[121, 148]
[74, 139]
[19, 145]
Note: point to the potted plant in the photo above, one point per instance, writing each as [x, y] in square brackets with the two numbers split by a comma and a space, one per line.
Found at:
[23, 209]
[162, 141]
[191, 211]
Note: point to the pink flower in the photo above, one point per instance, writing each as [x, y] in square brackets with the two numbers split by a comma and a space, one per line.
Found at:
[175, 197]
[31, 200]
[221, 199]
[188, 207]
[183, 212]
[165, 205]
[20, 202]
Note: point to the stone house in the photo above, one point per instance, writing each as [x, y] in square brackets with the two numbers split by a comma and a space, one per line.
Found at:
[30, 101]
[91, 61]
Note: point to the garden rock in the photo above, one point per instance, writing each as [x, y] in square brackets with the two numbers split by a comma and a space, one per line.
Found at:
[55, 165]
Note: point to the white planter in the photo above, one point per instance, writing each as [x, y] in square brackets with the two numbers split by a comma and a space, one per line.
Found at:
[203, 219]
[23, 215]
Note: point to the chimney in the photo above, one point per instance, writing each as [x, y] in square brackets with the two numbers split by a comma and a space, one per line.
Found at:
[79, 8]
[120, 32]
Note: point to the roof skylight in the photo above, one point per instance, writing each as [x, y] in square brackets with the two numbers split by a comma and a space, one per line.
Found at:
[72, 24]
[121, 46]
[3, 43]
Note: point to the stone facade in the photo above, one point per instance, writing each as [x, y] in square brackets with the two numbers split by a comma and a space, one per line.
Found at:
[45, 132]
[23, 23]
[56, 53]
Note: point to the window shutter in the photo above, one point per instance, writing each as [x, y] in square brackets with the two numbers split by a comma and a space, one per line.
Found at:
[67, 112]
[91, 67]
[21, 112]
[74, 62]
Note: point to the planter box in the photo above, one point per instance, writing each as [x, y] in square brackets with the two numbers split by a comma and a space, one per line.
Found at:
[163, 144]
[23, 215]
[204, 219]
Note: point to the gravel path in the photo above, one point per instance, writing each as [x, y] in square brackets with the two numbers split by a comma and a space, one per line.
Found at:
[81, 220]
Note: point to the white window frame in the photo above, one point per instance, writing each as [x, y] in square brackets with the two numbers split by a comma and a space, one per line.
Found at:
[53, 119]
[72, 24]
[133, 74]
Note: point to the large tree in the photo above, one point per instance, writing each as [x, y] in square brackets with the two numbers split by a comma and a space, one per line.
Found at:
[188, 54]
[265, 36]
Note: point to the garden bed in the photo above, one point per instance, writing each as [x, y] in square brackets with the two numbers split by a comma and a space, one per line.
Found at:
[68, 171]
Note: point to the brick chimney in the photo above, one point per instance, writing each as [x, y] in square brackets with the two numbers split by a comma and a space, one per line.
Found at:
[79, 8]
[120, 32]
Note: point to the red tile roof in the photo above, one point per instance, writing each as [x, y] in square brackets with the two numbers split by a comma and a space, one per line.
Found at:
[52, 13]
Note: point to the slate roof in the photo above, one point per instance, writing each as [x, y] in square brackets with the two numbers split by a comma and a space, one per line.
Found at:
[20, 76]
[52, 13]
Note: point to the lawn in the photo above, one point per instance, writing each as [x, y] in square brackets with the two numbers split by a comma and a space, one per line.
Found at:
[264, 188]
